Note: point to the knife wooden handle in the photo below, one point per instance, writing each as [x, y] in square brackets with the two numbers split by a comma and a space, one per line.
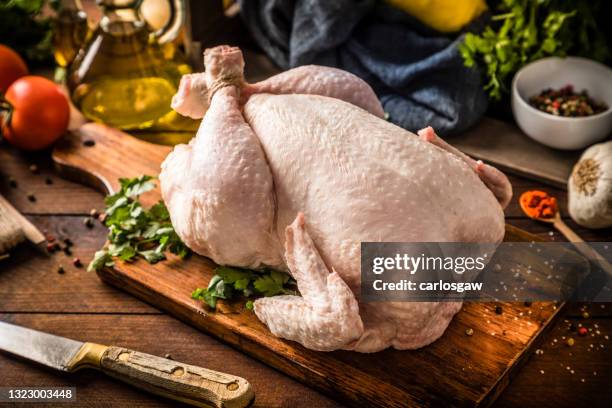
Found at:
[182, 382]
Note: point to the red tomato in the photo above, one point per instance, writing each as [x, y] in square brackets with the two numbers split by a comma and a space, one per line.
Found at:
[12, 67]
[40, 113]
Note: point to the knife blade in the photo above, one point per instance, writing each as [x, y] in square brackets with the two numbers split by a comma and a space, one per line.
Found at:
[182, 382]
[47, 349]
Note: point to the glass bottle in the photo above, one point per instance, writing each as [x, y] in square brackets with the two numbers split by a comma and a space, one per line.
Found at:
[70, 31]
[127, 74]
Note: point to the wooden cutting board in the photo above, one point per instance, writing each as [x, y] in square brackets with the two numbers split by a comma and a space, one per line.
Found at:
[508, 148]
[456, 370]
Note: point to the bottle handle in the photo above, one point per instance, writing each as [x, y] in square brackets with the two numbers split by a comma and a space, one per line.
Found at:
[171, 29]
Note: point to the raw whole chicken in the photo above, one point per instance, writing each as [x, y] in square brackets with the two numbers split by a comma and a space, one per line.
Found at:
[296, 171]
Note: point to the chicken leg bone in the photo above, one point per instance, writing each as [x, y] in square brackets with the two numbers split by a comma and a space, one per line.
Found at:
[226, 65]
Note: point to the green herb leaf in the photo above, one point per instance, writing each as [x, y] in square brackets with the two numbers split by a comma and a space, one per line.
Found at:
[101, 259]
[527, 30]
[229, 283]
[134, 231]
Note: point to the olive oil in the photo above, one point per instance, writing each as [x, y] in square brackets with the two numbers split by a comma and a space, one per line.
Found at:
[126, 77]
[70, 32]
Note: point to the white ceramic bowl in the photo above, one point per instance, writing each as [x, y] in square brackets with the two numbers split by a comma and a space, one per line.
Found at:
[556, 131]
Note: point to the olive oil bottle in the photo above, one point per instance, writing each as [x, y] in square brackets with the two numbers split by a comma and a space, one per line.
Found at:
[70, 31]
[127, 74]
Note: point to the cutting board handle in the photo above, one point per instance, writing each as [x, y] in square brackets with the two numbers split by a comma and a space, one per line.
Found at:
[182, 382]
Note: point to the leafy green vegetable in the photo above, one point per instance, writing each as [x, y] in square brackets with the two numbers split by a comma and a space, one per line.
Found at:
[134, 231]
[25, 28]
[229, 283]
[528, 30]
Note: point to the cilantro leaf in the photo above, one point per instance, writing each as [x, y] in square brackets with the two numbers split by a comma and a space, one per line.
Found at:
[229, 283]
[101, 259]
[134, 231]
[527, 30]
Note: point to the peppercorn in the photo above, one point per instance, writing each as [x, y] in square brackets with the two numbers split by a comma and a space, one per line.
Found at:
[31, 197]
[12, 182]
[93, 213]
[583, 331]
[88, 222]
[77, 262]
[60, 270]
[34, 169]
[570, 342]
[469, 331]
[498, 310]
[528, 304]
[48, 181]
[585, 315]
[67, 250]
[51, 247]
[68, 242]
[168, 356]
[89, 143]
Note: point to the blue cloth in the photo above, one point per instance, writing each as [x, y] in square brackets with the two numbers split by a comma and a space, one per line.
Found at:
[417, 73]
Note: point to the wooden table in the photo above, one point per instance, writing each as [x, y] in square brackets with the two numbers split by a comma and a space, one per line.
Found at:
[76, 304]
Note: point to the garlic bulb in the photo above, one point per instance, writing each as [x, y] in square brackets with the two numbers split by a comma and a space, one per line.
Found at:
[590, 187]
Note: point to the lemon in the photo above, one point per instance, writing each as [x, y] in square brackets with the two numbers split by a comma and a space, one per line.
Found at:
[442, 15]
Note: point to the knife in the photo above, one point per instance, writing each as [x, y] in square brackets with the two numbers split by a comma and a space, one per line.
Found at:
[181, 382]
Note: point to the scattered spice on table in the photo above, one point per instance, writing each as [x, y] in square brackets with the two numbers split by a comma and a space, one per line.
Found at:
[570, 342]
[498, 310]
[583, 331]
[52, 247]
[60, 270]
[48, 181]
[12, 182]
[566, 102]
[469, 332]
[93, 213]
[33, 169]
[538, 204]
[89, 143]
[31, 197]
[77, 262]
[88, 222]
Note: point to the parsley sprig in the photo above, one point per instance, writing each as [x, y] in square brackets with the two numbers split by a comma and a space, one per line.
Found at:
[527, 30]
[134, 231]
[229, 283]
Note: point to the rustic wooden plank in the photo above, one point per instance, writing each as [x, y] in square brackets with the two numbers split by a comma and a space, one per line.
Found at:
[529, 389]
[506, 146]
[476, 368]
[545, 380]
[545, 231]
[60, 197]
[29, 281]
[114, 155]
[142, 333]
[399, 376]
